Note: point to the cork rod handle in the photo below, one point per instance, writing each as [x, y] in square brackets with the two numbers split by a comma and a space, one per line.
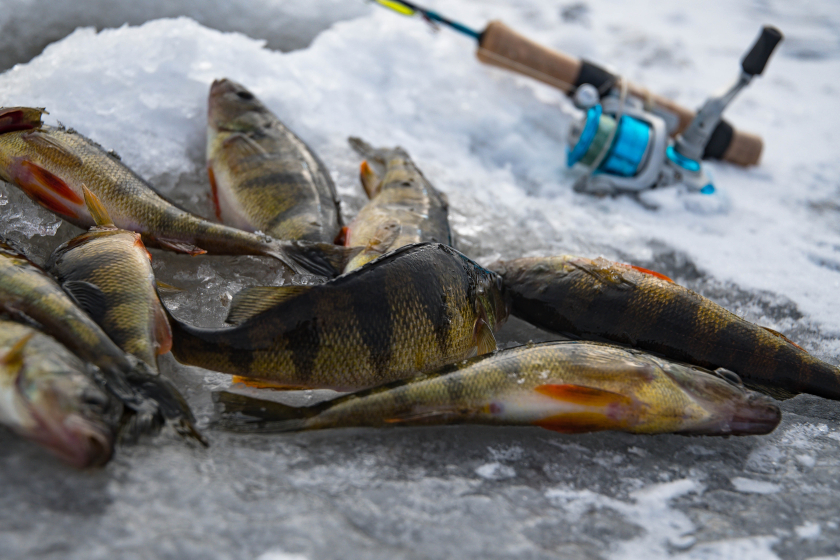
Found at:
[503, 47]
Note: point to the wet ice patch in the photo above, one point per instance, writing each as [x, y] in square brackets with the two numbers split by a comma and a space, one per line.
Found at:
[279, 555]
[809, 530]
[752, 486]
[495, 471]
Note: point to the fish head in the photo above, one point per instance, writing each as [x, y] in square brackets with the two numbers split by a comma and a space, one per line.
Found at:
[730, 409]
[57, 404]
[232, 108]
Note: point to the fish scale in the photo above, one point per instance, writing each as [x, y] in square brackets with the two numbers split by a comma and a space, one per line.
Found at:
[602, 300]
[567, 386]
[361, 329]
[115, 262]
[53, 166]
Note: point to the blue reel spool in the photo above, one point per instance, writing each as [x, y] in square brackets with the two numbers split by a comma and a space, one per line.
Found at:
[627, 150]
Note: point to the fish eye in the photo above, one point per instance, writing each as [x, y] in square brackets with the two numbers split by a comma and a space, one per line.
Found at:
[729, 376]
[247, 95]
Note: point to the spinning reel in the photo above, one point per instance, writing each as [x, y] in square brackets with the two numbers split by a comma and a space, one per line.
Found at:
[627, 148]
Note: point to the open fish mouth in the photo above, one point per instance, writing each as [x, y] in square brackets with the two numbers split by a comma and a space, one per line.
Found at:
[78, 441]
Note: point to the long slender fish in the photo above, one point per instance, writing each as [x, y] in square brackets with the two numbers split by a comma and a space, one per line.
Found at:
[568, 387]
[404, 207]
[108, 271]
[413, 310]
[602, 300]
[51, 165]
[48, 395]
[264, 178]
[28, 293]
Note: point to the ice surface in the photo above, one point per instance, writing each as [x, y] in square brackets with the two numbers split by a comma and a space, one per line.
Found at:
[767, 247]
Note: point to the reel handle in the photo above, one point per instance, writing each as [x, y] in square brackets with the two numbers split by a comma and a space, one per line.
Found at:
[754, 61]
[501, 46]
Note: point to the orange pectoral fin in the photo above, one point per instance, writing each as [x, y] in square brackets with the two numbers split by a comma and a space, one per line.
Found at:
[179, 246]
[47, 188]
[162, 330]
[584, 396]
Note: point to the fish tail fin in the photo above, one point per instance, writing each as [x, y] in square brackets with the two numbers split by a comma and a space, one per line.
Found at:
[241, 413]
[156, 402]
[378, 155]
[309, 257]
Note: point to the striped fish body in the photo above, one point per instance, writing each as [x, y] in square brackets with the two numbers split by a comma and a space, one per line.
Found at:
[53, 165]
[109, 272]
[29, 293]
[566, 386]
[265, 178]
[48, 395]
[602, 300]
[405, 208]
[410, 311]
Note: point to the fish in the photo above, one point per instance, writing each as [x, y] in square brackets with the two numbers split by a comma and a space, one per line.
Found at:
[412, 310]
[108, 271]
[30, 295]
[603, 300]
[263, 177]
[49, 396]
[566, 386]
[404, 207]
[51, 164]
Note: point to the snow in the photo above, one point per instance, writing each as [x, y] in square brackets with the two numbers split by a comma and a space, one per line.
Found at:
[767, 246]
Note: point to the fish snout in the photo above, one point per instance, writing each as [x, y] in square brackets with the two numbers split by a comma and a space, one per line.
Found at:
[759, 415]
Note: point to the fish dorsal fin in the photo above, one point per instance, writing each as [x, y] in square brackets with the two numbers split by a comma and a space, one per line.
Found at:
[48, 143]
[783, 337]
[89, 297]
[20, 118]
[485, 342]
[252, 301]
[97, 210]
[370, 180]
[242, 146]
[14, 357]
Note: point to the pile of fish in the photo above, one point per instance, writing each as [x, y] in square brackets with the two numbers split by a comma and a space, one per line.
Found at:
[402, 321]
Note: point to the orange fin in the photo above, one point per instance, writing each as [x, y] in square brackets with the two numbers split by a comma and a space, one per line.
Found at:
[162, 329]
[343, 237]
[20, 118]
[47, 188]
[265, 384]
[370, 180]
[783, 337]
[578, 423]
[179, 246]
[97, 210]
[584, 396]
[651, 273]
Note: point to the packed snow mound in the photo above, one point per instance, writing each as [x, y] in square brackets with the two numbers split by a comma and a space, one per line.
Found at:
[27, 26]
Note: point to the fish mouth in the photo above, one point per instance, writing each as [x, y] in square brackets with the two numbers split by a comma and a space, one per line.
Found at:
[748, 414]
[78, 441]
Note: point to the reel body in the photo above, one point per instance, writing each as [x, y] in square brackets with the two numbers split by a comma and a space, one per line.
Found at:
[626, 148]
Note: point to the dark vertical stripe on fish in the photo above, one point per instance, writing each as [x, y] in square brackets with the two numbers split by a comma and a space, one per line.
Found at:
[304, 341]
[432, 296]
[372, 303]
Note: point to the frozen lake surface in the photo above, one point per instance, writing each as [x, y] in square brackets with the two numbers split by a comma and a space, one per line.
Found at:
[766, 246]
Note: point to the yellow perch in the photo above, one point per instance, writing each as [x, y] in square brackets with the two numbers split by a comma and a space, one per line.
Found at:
[568, 387]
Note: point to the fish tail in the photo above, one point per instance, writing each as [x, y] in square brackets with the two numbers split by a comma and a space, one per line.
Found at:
[308, 257]
[241, 413]
[159, 403]
[379, 155]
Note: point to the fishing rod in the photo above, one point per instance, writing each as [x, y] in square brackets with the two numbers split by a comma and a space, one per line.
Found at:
[501, 46]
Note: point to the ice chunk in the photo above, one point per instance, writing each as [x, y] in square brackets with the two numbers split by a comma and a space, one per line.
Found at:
[752, 486]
